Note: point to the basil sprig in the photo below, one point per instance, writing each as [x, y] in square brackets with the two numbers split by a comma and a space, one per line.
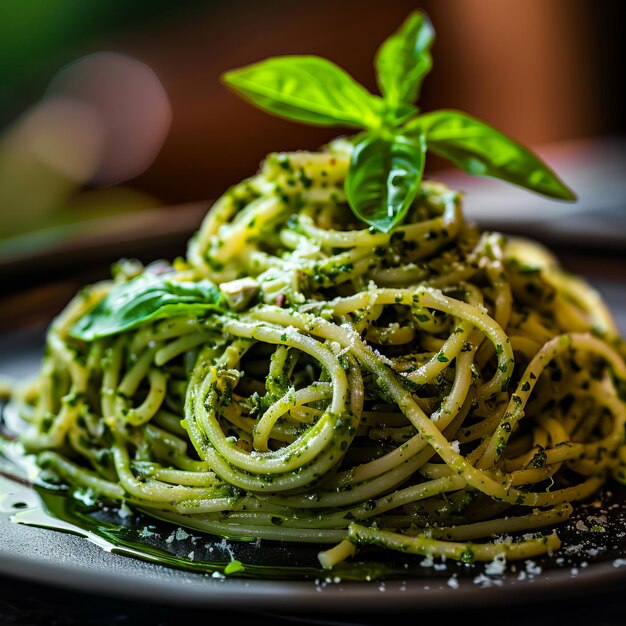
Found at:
[147, 298]
[387, 162]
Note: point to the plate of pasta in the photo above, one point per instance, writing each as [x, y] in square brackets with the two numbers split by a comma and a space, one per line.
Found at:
[341, 385]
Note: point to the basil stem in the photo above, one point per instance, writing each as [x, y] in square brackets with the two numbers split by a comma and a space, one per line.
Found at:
[384, 177]
[479, 149]
[307, 89]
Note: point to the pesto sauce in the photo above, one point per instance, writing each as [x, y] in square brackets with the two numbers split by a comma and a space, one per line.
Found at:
[126, 531]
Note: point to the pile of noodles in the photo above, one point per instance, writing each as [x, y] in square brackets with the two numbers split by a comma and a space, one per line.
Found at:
[430, 390]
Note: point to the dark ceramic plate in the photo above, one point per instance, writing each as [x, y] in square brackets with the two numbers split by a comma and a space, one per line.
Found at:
[592, 558]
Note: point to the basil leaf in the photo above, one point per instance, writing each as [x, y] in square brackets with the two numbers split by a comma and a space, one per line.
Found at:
[308, 89]
[481, 150]
[384, 177]
[404, 59]
[144, 299]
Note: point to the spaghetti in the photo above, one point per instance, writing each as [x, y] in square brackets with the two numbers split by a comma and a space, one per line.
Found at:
[433, 390]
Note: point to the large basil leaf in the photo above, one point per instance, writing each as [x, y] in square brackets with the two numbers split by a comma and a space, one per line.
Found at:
[308, 89]
[144, 299]
[403, 60]
[481, 150]
[384, 177]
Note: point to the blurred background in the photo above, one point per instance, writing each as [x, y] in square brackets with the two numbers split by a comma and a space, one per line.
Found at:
[116, 133]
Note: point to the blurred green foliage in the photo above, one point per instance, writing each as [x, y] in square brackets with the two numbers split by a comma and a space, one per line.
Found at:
[38, 37]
